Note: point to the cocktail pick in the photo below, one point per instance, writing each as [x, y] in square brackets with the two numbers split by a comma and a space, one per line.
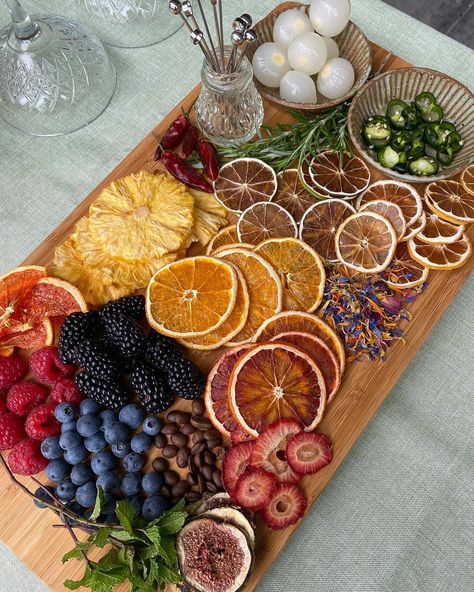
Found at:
[219, 32]
[206, 26]
[247, 19]
[237, 38]
[187, 10]
[250, 37]
[197, 35]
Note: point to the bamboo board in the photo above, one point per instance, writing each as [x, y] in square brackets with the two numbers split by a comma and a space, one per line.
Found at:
[28, 531]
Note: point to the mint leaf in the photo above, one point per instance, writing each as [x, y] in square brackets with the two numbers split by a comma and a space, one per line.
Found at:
[76, 552]
[168, 551]
[153, 533]
[99, 503]
[124, 536]
[179, 506]
[101, 538]
[171, 522]
[168, 574]
[76, 584]
[125, 513]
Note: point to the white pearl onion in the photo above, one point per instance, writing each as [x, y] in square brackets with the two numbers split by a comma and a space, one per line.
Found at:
[329, 17]
[298, 87]
[336, 78]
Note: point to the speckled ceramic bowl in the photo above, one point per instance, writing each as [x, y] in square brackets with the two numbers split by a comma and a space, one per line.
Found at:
[353, 46]
[456, 100]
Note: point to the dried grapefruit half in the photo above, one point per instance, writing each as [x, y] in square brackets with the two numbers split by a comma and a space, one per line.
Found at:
[57, 297]
[276, 381]
[340, 175]
[389, 210]
[450, 201]
[224, 237]
[403, 194]
[265, 220]
[404, 272]
[441, 255]
[292, 195]
[39, 335]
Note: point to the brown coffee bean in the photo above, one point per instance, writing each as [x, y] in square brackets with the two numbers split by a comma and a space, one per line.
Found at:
[179, 439]
[188, 429]
[180, 489]
[160, 441]
[200, 422]
[218, 451]
[217, 478]
[207, 471]
[166, 490]
[211, 444]
[210, 486]
[170, 451]
[201, 483]
[198, 407]
[209, 457]
[169, 429]
[171, 477]
[182, 418]
[182, 457]
[191, 479]
[197, 448]
[192, 496]
[199, 460]
[198, 437]
[192, 464]
[171, 416]
[160, 465]
[211, 434]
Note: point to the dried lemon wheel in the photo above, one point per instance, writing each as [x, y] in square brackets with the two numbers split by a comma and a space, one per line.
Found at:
[340, 175]
[226, 236]
[191, 297]
[402, 194]
[390, 211]
[404, 272]
[467, 179]
[437, 230]
[417, 227]
[292, 195]
[265, 220]
[441, 255]
[307, 181]
[301, 272]
[366, 242]
[450, 201]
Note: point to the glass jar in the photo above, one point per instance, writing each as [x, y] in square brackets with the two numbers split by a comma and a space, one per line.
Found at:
[229, 109]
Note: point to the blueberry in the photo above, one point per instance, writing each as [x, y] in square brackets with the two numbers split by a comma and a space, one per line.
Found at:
[68, 425]
[89, 407]
[154, 506]
[132, 415]
[152, 482]
[86, 494]
[76, 455]
[116, 432]
[107, 417]
[121, 449]
[66, 490]
[57, 470]
[133, 462]
[152, 425]
[103, 461]
[41, 493]
[95, 443]
[51, 449]
[75, 507]
[70, 439]
[81, 474]
[88, 425]
[131, 483]
[110, 482]
[136, 502]
[65, 412]
[141, 442]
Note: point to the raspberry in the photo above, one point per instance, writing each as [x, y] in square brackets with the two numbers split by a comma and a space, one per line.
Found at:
[26, 458]
[12, 370]
[65, 391]
[3, 406]
[41, 423]
[24, 396]
[12, 430]
[47, 366]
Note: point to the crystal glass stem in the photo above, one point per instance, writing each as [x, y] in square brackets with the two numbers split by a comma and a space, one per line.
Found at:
[24, 27]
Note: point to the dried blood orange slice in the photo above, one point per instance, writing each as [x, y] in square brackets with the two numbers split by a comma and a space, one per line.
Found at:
[307, 181]
[300, 269]
[441, 255]
[264, 287]
[265, 220]
[390, 211]
[302, 322]
[38, 335]
[191, 297]
[450, 201]
[292, 195]
[437, 230]
[404, 272]
[319, 225]
[340, 175]
[224, 237]
[366, 242]
[216, 395]
[57, 297]
[321, 354]
[243, 182]
[275, 381]
[417, 227]
[404, 195]
[467, 179]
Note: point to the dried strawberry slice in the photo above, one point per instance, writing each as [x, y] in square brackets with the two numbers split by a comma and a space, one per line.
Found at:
[286, 507]
[254, 489]
[309, 452]
[235, 462]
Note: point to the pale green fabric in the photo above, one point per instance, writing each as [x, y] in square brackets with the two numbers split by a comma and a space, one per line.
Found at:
[398, 515]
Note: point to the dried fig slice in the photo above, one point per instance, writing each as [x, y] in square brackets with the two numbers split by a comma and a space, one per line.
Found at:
[233, 516]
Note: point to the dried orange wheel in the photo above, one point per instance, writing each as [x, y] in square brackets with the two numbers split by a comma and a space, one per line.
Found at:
[230, 327]
[450, 201]
[390, 211]
[301, 272]
[302, 322]
[276, 381]
[339, 175]
[404, 195]
[265, 220]
[437, 230]
[320, 353]
[224, 237]
[243, 182]
[441, 255]
[417, 227]
[216, 395]
[307, 181]
[404, 272]
[467, 179]
[292, 195]
[191, 297]
[264, 287]
[366, 242]
[319, 225]
[240, 246]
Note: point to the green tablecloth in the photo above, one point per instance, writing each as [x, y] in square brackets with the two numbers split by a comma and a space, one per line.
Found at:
[398, 515]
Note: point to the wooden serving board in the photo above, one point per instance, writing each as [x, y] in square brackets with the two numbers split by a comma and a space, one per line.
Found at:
[28, 531]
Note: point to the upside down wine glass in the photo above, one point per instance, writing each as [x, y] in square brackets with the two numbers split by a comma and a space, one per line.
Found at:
[55, 76]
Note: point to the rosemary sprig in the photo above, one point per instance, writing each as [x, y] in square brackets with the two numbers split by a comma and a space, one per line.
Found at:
[285, 144]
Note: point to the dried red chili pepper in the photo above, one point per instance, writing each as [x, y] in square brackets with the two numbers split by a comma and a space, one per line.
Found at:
[175, 133]
[208, 156]
[158, 152]
[184, 172]
[190, 141]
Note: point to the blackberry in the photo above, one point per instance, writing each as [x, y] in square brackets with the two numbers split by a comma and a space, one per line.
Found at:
[77, 327]
[151, 388]
[131, 306]
[110, 394]
[185, 379]
[125, 335]
[162, 351]
[96, 360]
